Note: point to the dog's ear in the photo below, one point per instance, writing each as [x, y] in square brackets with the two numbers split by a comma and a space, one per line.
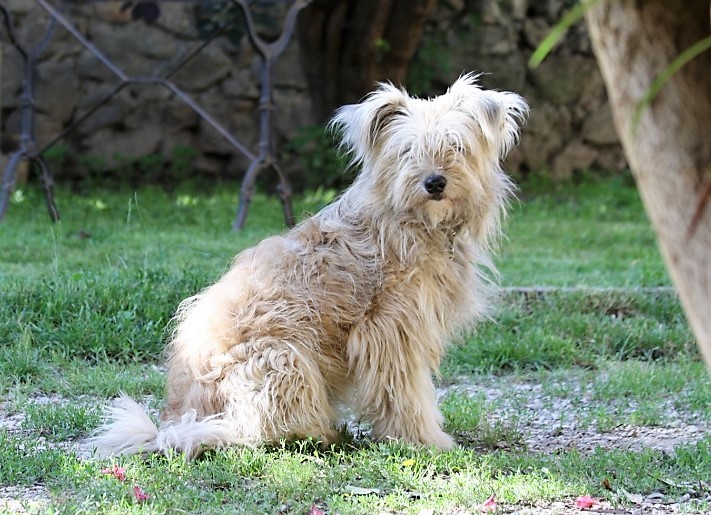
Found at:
[384, 114]
[499, 114]
[362, 124]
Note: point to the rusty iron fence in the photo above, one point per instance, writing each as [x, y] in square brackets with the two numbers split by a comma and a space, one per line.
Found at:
[263, 160]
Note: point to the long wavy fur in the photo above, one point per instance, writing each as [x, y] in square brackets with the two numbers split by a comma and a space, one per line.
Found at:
[356, 305]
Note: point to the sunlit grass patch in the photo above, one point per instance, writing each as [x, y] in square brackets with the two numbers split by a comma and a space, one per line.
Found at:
[376, 477]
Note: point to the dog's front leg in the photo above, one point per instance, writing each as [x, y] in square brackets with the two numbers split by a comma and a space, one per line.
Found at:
[393, 382]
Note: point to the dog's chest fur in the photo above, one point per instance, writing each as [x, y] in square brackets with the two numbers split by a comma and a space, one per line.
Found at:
[356, 274]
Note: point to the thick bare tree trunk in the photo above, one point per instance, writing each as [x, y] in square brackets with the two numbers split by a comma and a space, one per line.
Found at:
[670, 150]
[348, 45]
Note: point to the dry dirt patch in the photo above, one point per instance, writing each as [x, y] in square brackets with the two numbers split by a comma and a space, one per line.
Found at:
[552, 423]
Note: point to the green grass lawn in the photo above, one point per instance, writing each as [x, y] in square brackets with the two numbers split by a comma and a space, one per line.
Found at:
[84, 306]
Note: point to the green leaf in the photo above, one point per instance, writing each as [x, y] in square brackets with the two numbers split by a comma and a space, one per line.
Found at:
[568, 20]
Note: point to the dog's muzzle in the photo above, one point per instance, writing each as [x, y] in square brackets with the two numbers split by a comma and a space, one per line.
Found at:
[435, 184]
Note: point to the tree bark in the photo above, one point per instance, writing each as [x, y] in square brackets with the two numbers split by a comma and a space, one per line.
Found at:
[348, 45]
[669, 151]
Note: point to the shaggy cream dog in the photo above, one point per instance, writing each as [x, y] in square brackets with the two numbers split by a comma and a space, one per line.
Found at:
[355, 306]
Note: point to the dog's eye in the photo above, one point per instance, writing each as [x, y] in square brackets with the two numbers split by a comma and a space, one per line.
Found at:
[456, 143]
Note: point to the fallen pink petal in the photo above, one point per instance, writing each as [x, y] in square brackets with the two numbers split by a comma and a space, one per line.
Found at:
[489, 505]
[115, 471]
[139, 494]
[315, 510]
[585, 501]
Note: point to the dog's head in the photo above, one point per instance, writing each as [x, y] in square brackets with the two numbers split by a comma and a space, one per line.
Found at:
[437, 161]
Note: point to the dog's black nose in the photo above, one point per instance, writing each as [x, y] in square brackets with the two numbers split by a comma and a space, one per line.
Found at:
[435, 184]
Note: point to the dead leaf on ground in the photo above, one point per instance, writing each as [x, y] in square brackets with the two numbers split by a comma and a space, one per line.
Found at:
[585, 501]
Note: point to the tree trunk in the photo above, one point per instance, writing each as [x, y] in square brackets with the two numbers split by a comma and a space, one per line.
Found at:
[669, 151]
[348, 45]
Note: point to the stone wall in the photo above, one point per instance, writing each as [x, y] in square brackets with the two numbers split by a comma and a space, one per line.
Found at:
[570, 127]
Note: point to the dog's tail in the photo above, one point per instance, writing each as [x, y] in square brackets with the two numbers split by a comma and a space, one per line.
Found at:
[130, 430]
